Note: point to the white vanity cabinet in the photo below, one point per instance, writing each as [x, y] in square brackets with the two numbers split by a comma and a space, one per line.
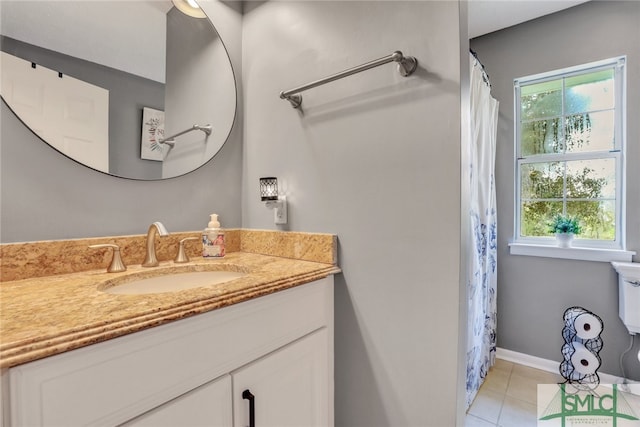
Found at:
[289, 388]
[207, 405]
[194, 372]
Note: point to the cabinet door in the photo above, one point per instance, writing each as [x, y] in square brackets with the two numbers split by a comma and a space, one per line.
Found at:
[290, 386]
[208, 405]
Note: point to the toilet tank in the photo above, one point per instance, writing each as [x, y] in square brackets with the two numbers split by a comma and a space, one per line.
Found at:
[629, 294]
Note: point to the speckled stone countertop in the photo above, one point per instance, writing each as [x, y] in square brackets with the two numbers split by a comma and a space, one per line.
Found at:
[43, 316]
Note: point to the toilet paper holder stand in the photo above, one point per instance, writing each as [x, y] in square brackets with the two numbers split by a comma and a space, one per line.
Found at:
[582, 346]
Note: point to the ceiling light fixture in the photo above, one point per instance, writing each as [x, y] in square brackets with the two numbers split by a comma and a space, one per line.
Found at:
[189, 7]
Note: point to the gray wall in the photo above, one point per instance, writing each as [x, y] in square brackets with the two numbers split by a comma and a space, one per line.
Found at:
[374, 158]
[534, 292]
[47, 196]
[128, 93]
[197, 55]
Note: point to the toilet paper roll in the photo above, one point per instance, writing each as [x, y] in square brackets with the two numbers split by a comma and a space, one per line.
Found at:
[587, 326]
[584, 362]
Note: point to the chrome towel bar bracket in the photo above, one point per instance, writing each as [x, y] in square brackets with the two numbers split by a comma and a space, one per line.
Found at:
[406, 66]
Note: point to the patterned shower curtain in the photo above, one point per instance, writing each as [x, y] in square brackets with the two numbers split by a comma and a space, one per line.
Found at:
[481, 269]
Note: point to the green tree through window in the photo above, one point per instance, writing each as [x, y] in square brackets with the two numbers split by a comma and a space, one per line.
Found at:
[569, 151]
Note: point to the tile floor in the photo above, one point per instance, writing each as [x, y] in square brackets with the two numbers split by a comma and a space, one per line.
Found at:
[508, 396]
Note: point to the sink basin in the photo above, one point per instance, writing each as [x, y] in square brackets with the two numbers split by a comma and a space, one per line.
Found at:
[169, 280]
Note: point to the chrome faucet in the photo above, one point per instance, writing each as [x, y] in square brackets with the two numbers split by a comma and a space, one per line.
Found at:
[151, 260]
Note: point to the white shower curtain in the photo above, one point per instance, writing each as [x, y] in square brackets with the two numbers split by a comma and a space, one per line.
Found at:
[481, 273]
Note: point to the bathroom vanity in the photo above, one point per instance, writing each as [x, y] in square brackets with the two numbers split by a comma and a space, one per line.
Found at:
[195, 370]
[258, 349]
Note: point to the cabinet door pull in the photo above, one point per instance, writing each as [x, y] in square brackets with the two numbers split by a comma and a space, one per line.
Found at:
[252, 407]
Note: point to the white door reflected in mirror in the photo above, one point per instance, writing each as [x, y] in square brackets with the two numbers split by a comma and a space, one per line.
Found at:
[79, 129]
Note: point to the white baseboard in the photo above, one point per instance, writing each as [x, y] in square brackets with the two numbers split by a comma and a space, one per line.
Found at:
[546, 364]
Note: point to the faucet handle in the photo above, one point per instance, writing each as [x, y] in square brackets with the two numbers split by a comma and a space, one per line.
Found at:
[182, 257]
[116, 265]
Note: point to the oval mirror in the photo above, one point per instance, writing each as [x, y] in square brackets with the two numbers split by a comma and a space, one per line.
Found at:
[136, 88]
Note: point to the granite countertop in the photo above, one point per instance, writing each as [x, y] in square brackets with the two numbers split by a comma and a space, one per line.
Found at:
[44, 316]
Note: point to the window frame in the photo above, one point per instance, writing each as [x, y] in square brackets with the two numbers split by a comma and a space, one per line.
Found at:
[522, 245]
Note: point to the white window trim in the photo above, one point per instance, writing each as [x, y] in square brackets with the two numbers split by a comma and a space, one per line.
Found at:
[575, 252]
[588, 250]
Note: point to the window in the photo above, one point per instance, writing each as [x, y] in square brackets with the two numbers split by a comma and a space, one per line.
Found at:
[569, 135]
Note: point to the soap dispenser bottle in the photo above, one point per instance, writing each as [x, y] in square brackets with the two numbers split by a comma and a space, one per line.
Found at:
[213, 239]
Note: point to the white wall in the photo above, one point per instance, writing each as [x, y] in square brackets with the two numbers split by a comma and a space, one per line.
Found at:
[374, 158]
[130, 37]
